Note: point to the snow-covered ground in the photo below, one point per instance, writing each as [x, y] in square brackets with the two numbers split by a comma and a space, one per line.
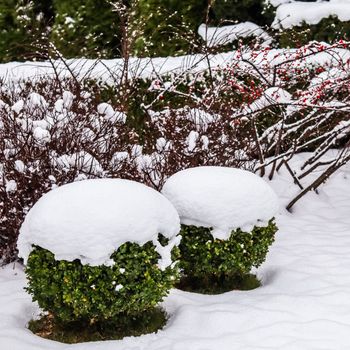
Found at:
[303, 304]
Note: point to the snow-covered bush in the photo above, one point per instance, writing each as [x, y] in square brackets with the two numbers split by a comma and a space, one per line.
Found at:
[54, 132]
[214, 261]
[99, 250]
[255, 109]
[227, 221]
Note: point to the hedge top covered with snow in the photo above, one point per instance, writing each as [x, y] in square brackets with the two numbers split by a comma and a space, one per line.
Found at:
[295, 13]
[222, 198]
[89, 220]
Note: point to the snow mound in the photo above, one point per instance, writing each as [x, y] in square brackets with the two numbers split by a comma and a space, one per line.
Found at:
[222, 198]
[215, 36]
[89, 220]
[295, 13]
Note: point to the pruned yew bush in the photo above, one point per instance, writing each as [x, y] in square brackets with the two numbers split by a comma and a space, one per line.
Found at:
[227, 225]
[98, 257]
[210, 264]
[72, 291]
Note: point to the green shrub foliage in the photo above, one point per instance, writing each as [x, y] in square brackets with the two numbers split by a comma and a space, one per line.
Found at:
[256, 11]
[328, 29]
[72, 291]
[202, 256]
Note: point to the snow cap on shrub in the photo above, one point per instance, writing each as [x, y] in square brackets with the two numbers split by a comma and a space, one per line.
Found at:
[89, 220]
[222, 198]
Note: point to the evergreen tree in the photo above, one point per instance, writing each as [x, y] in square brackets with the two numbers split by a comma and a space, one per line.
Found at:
[255, 11]
[24, 27]
[168, 26]
[89, 28]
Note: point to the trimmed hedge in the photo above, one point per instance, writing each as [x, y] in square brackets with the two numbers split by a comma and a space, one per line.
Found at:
[204, 257]
[75, 292]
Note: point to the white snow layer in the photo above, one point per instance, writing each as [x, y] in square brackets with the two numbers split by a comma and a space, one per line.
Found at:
[222, 198]
[295, 13]
[109, 71]
[89, 220]
[215, 36]
[271, 96]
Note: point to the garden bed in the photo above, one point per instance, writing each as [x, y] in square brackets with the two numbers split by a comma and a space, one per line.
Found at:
[302, 303]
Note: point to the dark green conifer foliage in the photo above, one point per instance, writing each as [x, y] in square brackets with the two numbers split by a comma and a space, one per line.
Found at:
[241, 11]
[169, 26]
[328, 29]
[86, 28]
[24, 27]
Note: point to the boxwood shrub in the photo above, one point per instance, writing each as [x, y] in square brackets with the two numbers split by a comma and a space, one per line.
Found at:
[207, 260]
[71, 291]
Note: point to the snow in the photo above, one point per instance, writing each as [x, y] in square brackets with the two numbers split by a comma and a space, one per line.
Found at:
[18, 106]
[11, 186]
[271, 96]
[303, 303]
[89, 220]
[118, 287]
[222, 198]
[82, 161]
[162, 144]
[105, 109]
[198, 117]
[41, 135]
[35, 100]
[67, 99]
[192, 140]
[108, 112]
[215, 36]
[295, 13]
[20, 166]
[109, 71]
[205, 142]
